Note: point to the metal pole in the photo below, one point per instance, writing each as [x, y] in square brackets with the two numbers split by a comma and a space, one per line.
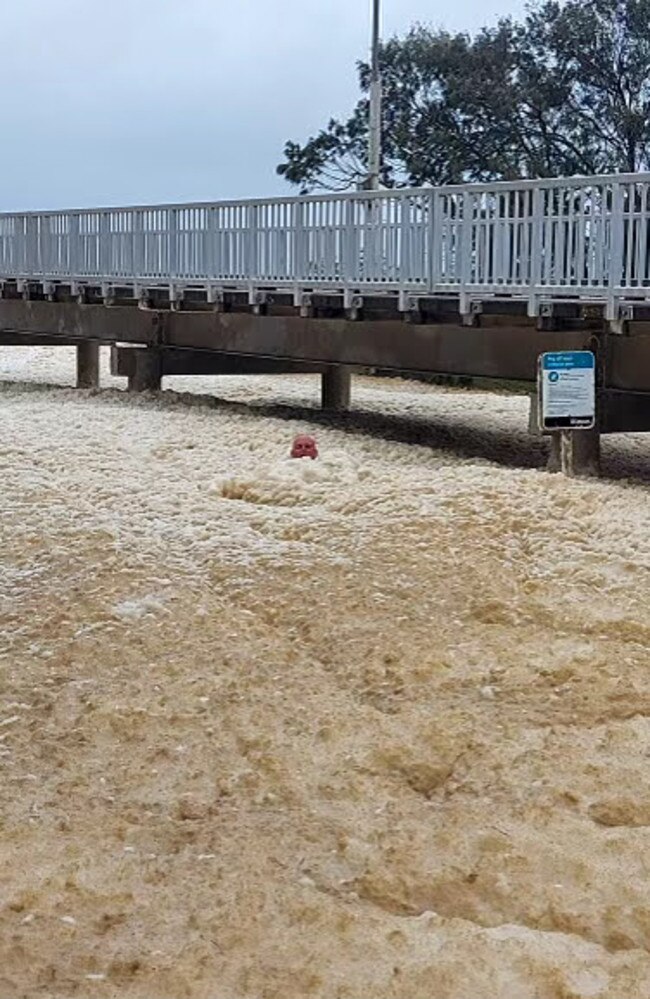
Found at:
[374, 138]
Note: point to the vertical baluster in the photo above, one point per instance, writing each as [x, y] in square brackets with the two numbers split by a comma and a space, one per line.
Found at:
[524, 248]
[403, 263]
[596, 235]
[508, 234]
[580, 242]
[348, 242]
[46, 256]
[432, 241]
[253, 266]
[30, 264]
[479, 275]
[560, 241]
[499, 240]
[436, 212]
[641, 236]
[548, 236]
[629, 231]
[644, 270]
[209, 263]
[570, 237]
[327, 241]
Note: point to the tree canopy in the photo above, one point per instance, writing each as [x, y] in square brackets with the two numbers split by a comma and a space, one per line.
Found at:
[565, 91]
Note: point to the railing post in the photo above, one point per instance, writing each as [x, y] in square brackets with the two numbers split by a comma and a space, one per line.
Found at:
[20, 242]
[536, 239]
[403, 263]
[34, 260]
[296, 255]
[138, 243]
[350, 244]
[434, 240]
[466, 253]
[24, 264]
[251, 243]
[31, 246]
[45, 244]
[8, 230]
[103, 255]
[172, 242]
[371, 239]
[615, 276]
[74, 268]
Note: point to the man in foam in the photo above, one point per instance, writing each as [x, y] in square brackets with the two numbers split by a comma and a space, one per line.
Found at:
[304, 446]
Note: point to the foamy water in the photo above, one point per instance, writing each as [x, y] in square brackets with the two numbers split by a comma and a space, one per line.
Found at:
[373, 725]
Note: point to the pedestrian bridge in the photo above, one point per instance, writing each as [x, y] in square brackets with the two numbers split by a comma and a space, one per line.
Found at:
[583, 239]
[475, 280]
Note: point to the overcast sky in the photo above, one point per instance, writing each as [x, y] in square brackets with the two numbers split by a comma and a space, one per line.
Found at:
[129, 101]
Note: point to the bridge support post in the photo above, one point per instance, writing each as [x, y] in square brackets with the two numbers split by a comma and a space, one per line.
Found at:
[579, 452]
[554, 461]
[88, 364]
[146, 370]
[336, 388]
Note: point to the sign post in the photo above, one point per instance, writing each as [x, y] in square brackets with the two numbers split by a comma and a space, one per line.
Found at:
[566, 387]
[567, 390]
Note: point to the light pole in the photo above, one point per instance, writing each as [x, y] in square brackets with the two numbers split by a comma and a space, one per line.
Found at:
[374, 136]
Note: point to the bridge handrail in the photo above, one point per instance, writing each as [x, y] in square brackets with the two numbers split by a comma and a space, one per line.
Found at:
[580, 237]
[577, 180]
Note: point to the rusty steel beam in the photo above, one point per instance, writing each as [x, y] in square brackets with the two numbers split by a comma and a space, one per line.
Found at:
[504, 352]
[9, 339]
[69, 322]
[176, 361]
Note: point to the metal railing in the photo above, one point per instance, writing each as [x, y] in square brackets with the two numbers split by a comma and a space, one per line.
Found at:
[585, 238]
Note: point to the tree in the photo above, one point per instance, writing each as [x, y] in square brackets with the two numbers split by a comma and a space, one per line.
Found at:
[566, 91]
[415, 111]
[420, 126]
[602, 49]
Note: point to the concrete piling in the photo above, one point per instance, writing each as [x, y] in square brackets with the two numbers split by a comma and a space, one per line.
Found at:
[336, 388]
[88, 364]
[146, 370]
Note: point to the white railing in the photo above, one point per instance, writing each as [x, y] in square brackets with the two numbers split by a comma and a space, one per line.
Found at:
[581, 238]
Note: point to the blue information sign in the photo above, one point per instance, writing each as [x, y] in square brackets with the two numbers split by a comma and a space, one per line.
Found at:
[567, 386]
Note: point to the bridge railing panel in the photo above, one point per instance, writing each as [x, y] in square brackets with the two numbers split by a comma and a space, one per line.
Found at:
[584, 237]
[576, 236]
[636, 235]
